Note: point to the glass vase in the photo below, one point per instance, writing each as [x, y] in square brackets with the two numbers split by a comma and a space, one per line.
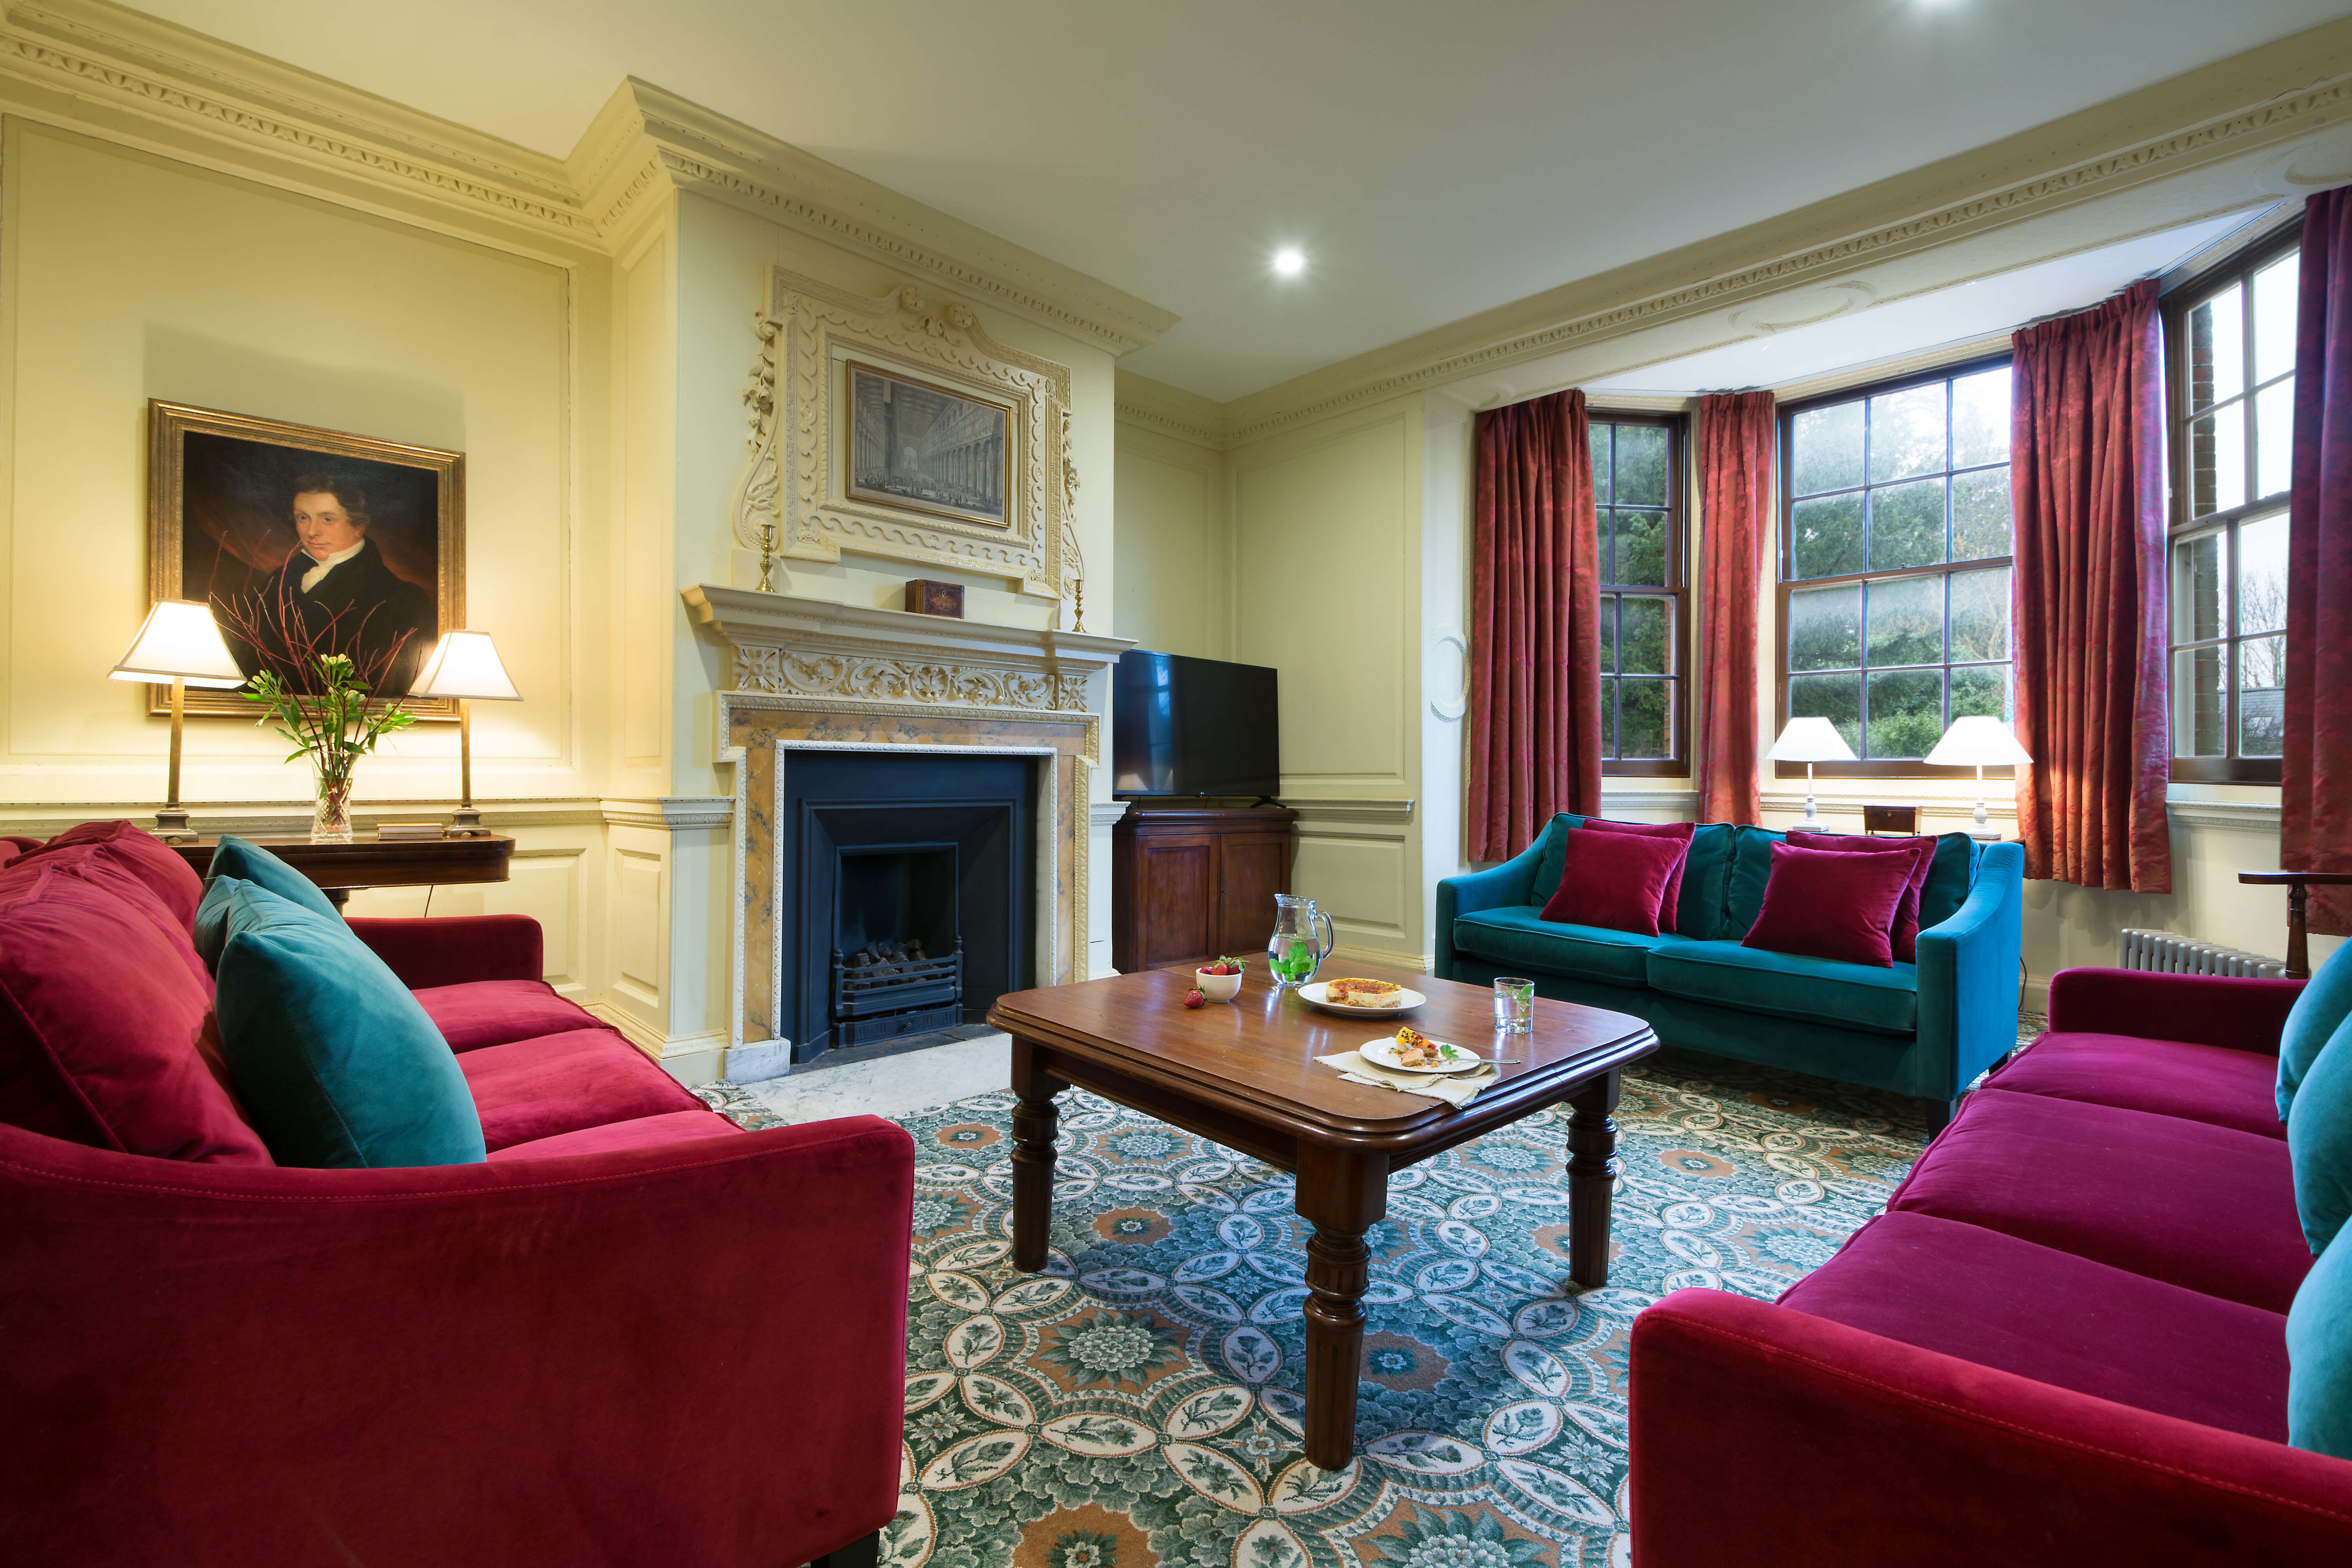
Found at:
[331, 817]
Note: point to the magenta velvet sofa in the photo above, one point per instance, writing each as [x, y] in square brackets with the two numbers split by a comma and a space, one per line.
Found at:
[2063, 1343]
[635, 1334]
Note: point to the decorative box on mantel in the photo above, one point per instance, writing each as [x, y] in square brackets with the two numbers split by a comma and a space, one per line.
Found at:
[817, 675]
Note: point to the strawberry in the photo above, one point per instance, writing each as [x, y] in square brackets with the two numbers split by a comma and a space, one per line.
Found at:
[1194, 999]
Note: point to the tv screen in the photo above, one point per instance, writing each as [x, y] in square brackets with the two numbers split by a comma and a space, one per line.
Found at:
[1183, 726]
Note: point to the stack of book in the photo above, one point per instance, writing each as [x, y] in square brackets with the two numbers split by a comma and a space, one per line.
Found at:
[405, 830]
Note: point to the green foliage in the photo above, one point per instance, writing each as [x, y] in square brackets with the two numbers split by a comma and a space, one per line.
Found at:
[334, 726]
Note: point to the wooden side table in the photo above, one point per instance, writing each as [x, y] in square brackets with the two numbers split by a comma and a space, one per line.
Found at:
[338, 867]
[2298, 896]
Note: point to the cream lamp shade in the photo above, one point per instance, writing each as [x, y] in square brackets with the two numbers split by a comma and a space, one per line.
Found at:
[179, 641]
[466, 664]
[1812, 741]
[1981, 740]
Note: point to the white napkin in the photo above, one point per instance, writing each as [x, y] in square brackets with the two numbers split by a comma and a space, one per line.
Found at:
[1456, 1090]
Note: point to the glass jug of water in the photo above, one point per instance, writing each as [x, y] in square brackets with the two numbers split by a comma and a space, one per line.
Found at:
[1292, 952]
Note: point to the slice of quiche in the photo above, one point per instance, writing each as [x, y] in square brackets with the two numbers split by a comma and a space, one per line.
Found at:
[1364, 992]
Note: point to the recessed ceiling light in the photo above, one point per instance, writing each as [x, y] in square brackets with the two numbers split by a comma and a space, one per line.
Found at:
[1289, 261]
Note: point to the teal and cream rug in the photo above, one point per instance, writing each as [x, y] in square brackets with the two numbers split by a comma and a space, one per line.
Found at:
[1139, 1403]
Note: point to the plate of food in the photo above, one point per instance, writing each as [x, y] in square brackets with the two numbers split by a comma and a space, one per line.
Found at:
[1408, 1050]
[1362, 998]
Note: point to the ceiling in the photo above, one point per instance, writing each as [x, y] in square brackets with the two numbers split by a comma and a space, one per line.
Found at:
[1433, 161]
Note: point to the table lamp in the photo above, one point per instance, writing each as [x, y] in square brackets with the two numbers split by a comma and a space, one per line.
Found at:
[179, 642]
[1811, 741]
[466, 666]
[1986, 741]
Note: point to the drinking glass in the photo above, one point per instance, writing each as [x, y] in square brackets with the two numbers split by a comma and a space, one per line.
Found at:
[1514, 1005]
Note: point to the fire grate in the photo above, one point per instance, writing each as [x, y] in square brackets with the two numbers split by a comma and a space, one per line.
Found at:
[887, 989]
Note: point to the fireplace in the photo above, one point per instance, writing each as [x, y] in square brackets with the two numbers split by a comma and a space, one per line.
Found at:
[909, 882]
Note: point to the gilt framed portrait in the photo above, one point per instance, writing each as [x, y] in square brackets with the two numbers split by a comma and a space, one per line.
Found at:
[924, 447]
[306, 543]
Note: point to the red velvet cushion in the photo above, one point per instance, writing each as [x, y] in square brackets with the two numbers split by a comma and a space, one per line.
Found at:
[2208, 1208]
[2050, 1316]
[645, 1133]
[561, 1083]
[155, 863]
[1904, 933]
[121, 877]
[1614, 880]
[99, 1021]
[1826, 905]
[1670, 903]
[480, 1013]
[2169, 1078]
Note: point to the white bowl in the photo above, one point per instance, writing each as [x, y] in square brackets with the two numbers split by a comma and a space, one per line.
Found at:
[1218, 987]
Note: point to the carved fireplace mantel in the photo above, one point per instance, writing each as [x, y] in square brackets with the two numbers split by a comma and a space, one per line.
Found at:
[811, 674]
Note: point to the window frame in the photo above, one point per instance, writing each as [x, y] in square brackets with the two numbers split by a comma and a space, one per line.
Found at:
[2239, 267]
[1784, 559]
[1676, 590]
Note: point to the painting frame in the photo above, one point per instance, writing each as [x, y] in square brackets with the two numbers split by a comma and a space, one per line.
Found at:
[861, 415]
[171, 425]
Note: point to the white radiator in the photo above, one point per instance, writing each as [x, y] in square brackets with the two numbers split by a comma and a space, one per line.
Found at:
[2174, 954]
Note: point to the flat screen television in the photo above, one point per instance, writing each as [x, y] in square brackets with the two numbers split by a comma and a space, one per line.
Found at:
[1183, 726]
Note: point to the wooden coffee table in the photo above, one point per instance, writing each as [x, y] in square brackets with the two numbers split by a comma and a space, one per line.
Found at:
[1244, 1074]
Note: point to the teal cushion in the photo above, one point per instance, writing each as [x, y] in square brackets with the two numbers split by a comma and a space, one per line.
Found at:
[211, 918]
[1788, 984]
[1706, 880]
[1950, 875]
[252, 863]
[2319, 1142]
[336, 1062]
[2319, 1356]
[1521, 936]
[1551, 858]
[1751, 868]
[2326, 1003]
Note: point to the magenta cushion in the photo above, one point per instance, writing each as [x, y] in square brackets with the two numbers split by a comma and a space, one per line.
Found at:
[1904, 933]
[99, 1022]
[2208, 1208]
[2168, 1077]
[1670, 903]
[1823, 904]
[1615, 880]
[141, 854]
[530, 1089]
[478, 1013]
[645, 1133]
[2002, 1302]
[122, 879]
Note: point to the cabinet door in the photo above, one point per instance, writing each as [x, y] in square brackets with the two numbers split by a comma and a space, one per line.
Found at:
[1256, 868]
[1176, 898]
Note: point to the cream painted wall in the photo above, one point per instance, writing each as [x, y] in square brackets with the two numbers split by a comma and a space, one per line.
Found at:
[1174, 545]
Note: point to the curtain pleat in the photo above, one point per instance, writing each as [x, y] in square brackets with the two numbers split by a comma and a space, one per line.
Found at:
[2315, 772]
[1738, 433]
[2086, 452]
[1535, 625]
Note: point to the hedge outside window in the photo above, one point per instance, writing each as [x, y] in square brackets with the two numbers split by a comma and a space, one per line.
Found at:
[2231, 332]
[1637, 509]
[1895, 563]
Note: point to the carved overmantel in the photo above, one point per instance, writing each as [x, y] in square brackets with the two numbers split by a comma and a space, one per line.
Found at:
[811, 674]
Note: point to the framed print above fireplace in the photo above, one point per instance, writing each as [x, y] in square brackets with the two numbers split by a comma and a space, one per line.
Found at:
[306, 541]
[923, 446]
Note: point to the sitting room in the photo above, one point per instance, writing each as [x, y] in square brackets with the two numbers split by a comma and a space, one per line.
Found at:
[1265, 785]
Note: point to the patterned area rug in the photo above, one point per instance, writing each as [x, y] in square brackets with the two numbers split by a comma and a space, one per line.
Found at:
[1139, 1403]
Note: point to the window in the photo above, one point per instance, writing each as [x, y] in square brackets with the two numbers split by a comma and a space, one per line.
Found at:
[1894, 560]
[1637, 507]
[2231, 336]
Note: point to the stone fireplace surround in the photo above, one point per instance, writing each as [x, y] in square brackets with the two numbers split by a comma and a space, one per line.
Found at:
[811, 675]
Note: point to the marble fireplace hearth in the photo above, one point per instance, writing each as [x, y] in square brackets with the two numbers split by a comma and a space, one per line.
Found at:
[812, 675]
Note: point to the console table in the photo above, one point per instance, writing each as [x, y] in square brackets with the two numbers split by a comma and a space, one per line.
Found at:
[339, 866]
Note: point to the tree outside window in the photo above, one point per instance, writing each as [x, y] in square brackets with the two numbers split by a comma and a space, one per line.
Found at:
[1637, 511]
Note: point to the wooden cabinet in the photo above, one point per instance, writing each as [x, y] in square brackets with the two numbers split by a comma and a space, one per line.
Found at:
[1194, 883]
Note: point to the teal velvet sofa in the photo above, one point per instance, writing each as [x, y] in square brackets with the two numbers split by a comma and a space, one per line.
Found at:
[1926, 1028]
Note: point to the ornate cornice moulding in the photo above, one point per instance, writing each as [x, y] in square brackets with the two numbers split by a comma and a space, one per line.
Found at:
[787, 645]
[669, 814]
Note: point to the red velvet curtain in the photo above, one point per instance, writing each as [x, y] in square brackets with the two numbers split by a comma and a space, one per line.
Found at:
[2086, 450]
[2316, 819]
[1535, 625]
[1738, 434]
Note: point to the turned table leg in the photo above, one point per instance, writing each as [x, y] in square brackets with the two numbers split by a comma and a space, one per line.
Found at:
[1343, 1195]
[1591, 1173]
[1035, 1120]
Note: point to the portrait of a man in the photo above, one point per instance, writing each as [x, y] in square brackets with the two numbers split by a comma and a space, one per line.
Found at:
[308, 542]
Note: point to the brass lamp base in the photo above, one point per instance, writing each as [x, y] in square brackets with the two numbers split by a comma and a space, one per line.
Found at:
[172, 826]
[465, 822]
